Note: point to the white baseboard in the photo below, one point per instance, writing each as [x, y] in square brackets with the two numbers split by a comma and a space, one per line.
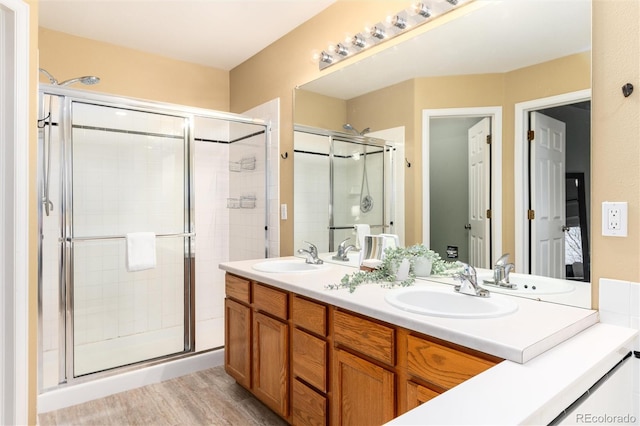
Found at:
[99, 388]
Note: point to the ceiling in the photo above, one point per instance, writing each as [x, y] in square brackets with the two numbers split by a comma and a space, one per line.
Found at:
[217, 33]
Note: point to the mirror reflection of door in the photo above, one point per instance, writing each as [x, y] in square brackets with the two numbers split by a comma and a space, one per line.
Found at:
[479, 226]
[559, 181]
[459, 188]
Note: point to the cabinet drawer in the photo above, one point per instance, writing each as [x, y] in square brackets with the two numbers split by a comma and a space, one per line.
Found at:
[309, 315]
[270, 300]
[441, 365]
[365, 336]
[237, 288]
[310, 359]
[307, 406]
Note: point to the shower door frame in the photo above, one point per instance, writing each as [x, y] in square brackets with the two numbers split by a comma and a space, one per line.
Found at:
[66, 309]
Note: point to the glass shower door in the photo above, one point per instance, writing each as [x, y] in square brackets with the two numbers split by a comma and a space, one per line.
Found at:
[127, 171]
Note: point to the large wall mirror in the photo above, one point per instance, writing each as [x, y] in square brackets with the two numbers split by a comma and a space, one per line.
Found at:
[503, 63]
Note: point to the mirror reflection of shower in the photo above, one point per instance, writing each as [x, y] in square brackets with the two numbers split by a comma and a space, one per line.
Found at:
[350, 128]
[341, 180]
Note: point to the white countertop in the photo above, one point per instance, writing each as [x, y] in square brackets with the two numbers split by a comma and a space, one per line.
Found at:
[534, 393]
[533, 329]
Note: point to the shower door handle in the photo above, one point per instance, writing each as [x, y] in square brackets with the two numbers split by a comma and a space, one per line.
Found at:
[122, 237]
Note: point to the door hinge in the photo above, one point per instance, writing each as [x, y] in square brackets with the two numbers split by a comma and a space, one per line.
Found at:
[489, 214]
[530, 135]
[488, 139]
[531, 214]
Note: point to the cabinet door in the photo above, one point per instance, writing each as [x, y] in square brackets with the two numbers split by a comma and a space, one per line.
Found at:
[363, 393]
[271, 362]
[418, 394]
[237, 342]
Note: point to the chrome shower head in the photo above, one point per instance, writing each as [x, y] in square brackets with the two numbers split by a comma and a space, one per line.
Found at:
[88, 79]
[350, 128]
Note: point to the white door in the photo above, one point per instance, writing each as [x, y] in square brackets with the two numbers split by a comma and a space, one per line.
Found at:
[547, 186]
[479, 194]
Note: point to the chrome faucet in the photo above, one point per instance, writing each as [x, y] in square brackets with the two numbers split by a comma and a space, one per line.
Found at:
[311, 254]
[501, 272]
[469, 282]
[343, 249]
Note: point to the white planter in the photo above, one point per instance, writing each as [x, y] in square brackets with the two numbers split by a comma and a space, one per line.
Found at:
[422, 266]
[402, 273]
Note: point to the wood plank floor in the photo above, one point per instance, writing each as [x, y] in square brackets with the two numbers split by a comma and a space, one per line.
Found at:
[208, 397]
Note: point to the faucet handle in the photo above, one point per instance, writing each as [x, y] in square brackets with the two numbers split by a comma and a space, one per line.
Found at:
[312, 248]
[343, 242]
[503, 260]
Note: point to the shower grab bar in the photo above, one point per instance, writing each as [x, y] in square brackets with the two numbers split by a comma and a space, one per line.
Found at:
[122, 237]
[351, 227]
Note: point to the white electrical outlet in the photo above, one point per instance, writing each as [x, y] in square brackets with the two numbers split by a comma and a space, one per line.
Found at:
[283, 211]
[614, 219]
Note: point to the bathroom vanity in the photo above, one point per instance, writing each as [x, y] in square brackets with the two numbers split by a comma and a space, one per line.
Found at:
[319, 356]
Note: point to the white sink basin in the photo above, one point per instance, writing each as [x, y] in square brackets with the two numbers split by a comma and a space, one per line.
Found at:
[287, 266]
[445, 302]
[530, 285]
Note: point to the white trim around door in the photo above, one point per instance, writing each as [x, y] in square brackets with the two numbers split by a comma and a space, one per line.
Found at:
[14, 210]
[521, 184]
[496, 170]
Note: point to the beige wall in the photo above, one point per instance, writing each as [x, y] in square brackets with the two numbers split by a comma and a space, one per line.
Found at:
[131, 73]
[616, 134]
[324, 112]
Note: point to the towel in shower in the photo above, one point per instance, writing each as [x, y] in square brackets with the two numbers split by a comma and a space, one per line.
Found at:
[141, 251]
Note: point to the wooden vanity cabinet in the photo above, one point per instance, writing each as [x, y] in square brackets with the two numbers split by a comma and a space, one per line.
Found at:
[316, 364]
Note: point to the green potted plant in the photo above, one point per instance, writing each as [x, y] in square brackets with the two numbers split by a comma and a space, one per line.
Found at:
[396, 269]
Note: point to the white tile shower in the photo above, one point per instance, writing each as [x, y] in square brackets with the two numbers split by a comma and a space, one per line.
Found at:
[117, 313]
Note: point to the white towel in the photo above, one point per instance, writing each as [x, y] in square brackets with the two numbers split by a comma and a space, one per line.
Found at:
[141, 251]
[361, 230]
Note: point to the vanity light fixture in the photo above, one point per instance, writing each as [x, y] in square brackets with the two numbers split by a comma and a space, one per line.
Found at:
[399, 21]
[325, 58]
[340, 49]
[377, 32]
[422, 10]
[358, 41]
[417, 14]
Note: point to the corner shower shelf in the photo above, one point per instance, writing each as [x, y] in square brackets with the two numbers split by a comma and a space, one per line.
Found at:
[244, 202]
[245, 164]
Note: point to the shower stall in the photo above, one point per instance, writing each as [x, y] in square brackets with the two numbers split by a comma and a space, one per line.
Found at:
[110, 167]
[341, 180]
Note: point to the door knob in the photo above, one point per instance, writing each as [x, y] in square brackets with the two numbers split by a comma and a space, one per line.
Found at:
[467, 226]
[565, 228]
